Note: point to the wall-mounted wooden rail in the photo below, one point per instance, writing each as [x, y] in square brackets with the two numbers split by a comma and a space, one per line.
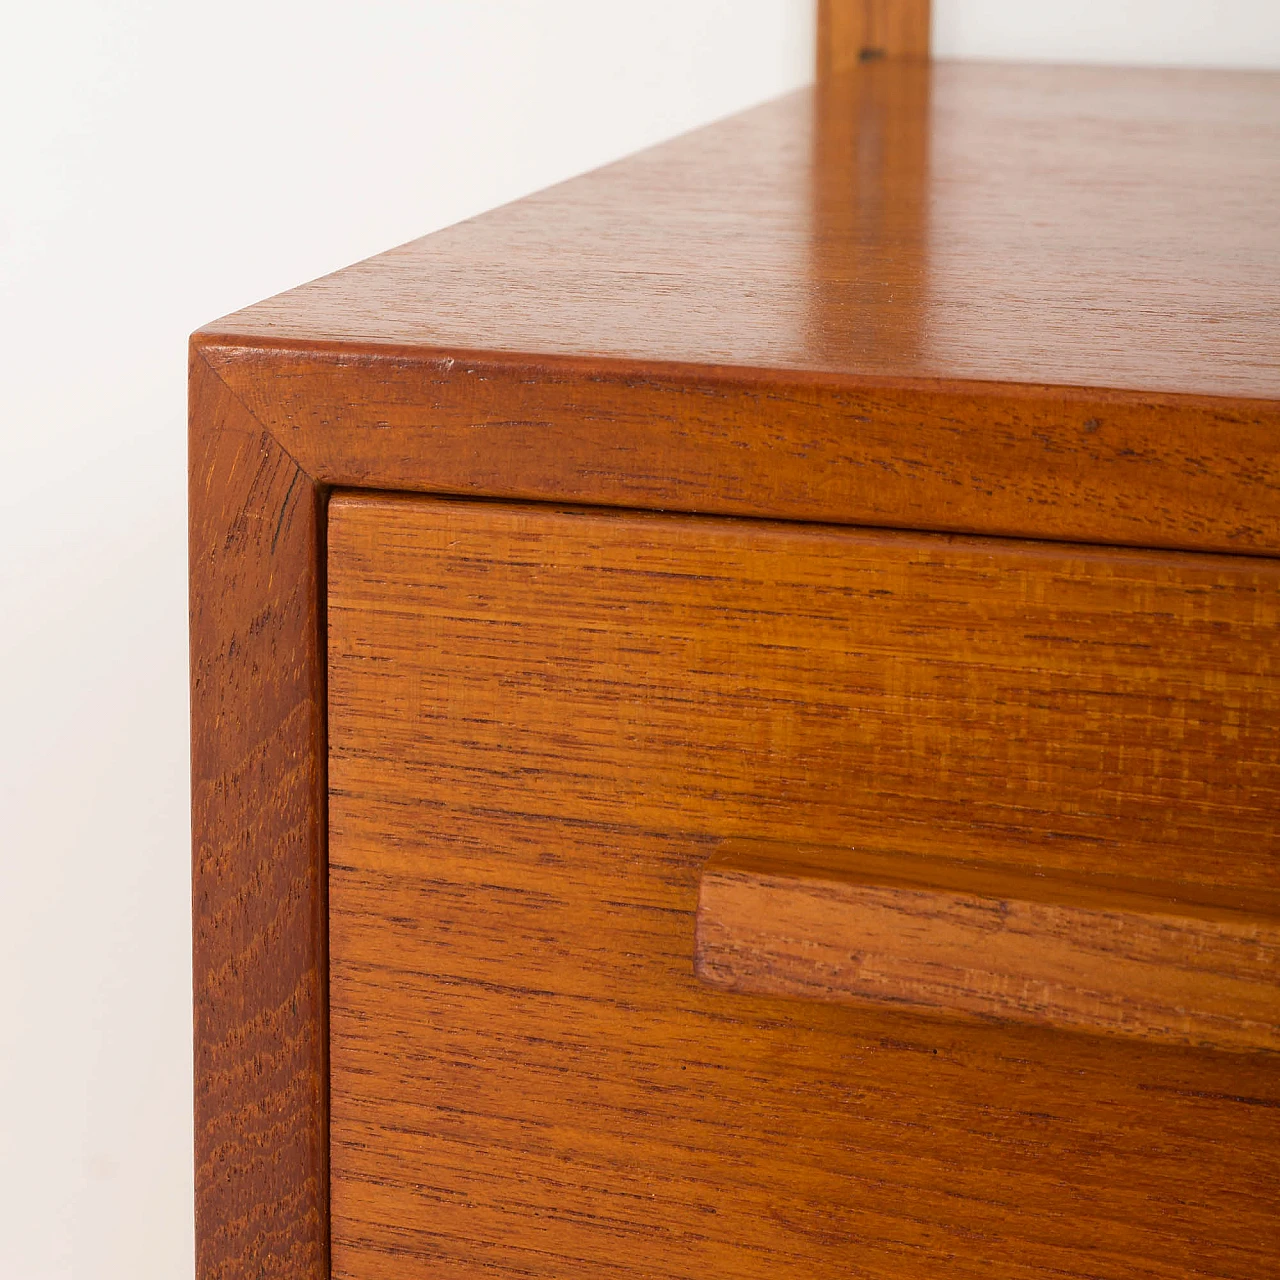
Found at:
[854, 31]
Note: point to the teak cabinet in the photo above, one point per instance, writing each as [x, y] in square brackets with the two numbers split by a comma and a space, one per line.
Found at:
[736, 709]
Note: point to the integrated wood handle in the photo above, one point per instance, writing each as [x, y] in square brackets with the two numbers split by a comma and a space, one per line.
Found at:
[1104, 955]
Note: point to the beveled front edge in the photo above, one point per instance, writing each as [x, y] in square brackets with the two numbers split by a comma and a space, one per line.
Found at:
[1065, 464]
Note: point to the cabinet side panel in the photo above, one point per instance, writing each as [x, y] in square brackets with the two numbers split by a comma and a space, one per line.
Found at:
[257, 848]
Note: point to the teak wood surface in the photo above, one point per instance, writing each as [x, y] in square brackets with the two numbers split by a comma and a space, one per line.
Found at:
[990, 300]
[856, 31]
[1087, 710]
[1033, 301]
[1103, 955]
[541, 723]
[258, 802]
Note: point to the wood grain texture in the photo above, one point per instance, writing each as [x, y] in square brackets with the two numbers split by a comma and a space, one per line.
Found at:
[1099, 227]
[541, 724]
[1016, 301]
[1023, 301]
[1155, 962]
[1087, 709]
[258, 751]
[851, 32]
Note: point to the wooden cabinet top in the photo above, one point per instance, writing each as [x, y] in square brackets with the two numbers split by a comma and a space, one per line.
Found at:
[1026, 224]
[1027, 300]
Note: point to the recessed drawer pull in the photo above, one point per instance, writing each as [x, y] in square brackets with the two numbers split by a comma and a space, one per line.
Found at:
[1105, 955]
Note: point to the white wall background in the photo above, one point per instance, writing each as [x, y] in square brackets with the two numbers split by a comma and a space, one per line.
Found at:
[1171, 33]
[164, 162]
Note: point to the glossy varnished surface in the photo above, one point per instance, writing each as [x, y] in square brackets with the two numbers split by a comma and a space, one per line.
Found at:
[1069, 226]
[1035, 302]
[542, 722]
[795, 314]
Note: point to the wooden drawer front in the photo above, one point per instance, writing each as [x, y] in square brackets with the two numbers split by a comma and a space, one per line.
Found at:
[541, 724]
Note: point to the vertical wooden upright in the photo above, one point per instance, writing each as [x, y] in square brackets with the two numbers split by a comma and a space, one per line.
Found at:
[854, 31]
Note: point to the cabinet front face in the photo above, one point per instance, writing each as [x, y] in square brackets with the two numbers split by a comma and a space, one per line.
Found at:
[542, 724]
